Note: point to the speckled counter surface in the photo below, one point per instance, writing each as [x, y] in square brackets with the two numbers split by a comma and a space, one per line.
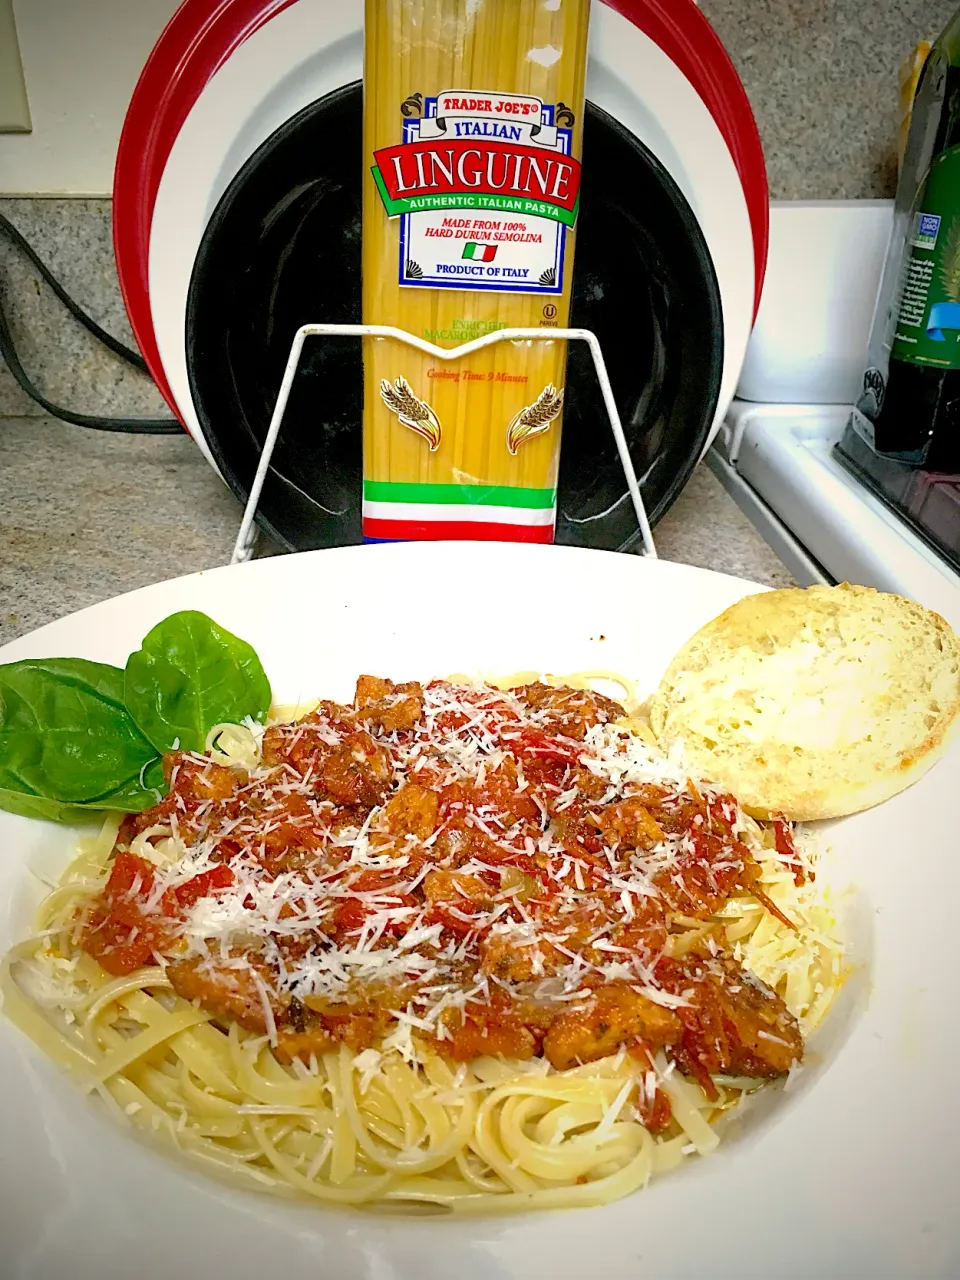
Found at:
[821, 76]
[85, 516]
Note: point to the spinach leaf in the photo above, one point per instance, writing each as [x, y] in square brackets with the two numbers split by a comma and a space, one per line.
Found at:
[189, 675]
[31, 806]
[129, 799]
[142, 792]
[65, 734]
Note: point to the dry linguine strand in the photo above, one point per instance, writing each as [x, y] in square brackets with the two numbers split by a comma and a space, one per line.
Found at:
[361, 1130]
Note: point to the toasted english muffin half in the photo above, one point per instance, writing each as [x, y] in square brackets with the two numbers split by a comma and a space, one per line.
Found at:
[813, 702]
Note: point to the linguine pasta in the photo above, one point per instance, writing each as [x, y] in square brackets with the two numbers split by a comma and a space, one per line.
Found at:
[473, 128]
[407, 1118]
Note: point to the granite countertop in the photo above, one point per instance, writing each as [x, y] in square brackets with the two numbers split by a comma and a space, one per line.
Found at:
[85, 515]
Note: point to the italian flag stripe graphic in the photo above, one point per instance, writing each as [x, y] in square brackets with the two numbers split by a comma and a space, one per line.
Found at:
[465, 495]
[480, 252]
[453, 530]
[395, 511]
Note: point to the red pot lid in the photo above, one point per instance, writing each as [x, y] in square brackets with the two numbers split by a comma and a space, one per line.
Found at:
[203, 34]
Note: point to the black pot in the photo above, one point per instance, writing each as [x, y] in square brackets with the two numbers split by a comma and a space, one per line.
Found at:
[283, 249]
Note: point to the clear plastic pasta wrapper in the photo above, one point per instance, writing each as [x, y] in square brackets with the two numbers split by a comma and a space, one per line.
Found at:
[908, 77]
[313, 1002]
[473, 120]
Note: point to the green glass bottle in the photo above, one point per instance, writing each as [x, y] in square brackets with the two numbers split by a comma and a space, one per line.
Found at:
[909, 408]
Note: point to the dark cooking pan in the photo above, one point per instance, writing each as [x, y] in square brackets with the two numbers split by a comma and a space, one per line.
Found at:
[283, 249]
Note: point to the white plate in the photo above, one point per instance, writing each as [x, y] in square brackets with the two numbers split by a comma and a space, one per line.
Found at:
[315, 46]
[851, 1174]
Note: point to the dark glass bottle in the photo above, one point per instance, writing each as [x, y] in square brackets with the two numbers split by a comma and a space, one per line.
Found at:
[909, 408]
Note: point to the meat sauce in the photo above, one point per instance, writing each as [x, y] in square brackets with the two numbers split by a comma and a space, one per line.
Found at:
[474, 866]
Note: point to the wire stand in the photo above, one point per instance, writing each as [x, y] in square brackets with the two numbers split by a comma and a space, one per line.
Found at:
[246, 538]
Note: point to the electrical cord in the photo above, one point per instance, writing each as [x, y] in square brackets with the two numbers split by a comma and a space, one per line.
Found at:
[133, 426]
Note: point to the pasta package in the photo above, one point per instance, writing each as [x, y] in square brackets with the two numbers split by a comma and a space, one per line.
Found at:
[473, 121]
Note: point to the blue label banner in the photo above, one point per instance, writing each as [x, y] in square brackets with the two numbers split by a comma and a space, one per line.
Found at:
[943, 315]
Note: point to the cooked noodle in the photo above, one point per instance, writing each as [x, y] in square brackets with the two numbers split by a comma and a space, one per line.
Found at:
[399, 1122]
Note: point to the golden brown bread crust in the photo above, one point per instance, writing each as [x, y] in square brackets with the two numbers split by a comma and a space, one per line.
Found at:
[815, 702]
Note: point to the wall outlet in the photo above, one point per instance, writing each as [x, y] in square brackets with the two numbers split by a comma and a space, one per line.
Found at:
[14, 107]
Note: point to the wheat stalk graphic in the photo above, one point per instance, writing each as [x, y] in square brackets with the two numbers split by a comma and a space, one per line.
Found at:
[412, 412]
[950, 263]
[535, 418]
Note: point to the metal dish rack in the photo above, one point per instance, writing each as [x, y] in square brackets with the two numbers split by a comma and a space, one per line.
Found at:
[247, 536]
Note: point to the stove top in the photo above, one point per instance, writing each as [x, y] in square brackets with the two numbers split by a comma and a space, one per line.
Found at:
[928, 501]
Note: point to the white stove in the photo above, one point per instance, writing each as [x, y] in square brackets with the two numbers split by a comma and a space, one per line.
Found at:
[776, 451]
